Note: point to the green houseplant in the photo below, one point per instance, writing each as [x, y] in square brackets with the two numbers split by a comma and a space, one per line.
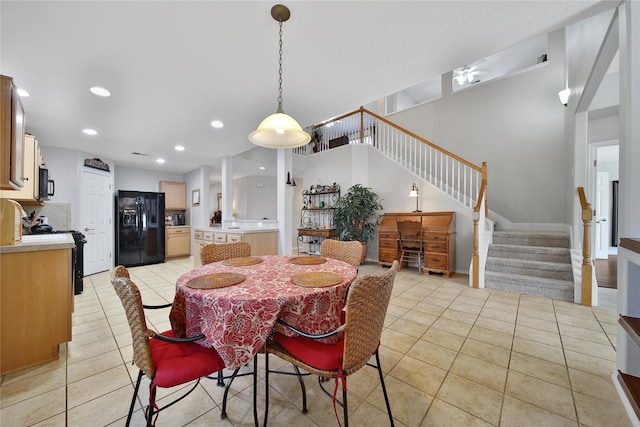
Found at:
[355, 216]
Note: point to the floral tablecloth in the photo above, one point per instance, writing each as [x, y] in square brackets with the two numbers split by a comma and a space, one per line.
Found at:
[236, 320]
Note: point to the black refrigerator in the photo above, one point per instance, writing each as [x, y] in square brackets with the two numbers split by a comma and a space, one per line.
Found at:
[140, 228]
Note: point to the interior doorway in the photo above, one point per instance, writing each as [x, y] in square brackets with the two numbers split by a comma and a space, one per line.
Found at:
[605, 156]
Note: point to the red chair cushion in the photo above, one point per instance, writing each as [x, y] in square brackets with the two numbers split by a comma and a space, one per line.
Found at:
[178, 363]
[313, 352]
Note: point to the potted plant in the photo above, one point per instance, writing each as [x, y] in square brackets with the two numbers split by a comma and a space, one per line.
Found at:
[355, 216]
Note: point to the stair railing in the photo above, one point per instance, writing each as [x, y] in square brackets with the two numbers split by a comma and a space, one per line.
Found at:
[587, 266]
[482, 232]
[457, 177]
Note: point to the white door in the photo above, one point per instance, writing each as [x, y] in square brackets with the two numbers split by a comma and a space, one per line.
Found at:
[602, 215]
[96, 216]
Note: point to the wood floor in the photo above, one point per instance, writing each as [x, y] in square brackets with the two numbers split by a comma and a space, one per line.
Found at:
[607, 272]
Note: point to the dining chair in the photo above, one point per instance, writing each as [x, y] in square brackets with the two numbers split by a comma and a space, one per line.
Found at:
[347, 251]
[166, 360]
[121, 271]
[411, 243]
[359, 340]
[214, 252]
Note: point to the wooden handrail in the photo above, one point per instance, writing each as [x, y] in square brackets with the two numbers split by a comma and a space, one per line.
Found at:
[587, 266]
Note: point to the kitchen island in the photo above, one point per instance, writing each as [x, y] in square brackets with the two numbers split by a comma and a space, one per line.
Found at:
[36, 300]
[263, 240]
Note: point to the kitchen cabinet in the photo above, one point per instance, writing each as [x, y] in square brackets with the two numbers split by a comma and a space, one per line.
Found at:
[175, 195]
[201, 238]
[438, 234]
[178, 242]
[11, 136]
[32, 162]
[36, 301]
[263, 242]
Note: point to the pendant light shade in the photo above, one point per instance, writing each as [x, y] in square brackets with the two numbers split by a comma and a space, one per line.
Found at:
[279, 130]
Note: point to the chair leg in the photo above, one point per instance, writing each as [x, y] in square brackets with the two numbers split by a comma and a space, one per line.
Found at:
[220, 382]
[345, 409]
[133, 399]
[303, 388]
[223, 414]
[150, 412]
[266, 389]
[384, 388]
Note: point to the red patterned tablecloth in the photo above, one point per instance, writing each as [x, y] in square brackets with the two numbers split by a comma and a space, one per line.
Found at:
[236, 320]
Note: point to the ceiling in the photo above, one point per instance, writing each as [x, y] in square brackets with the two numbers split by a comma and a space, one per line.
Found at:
[174, 66]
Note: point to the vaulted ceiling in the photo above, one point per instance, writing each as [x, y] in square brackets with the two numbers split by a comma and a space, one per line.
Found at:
[174, 66]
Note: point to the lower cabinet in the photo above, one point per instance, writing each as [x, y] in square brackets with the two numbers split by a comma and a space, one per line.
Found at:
[262, 243]
[178, 242]
[36, 302]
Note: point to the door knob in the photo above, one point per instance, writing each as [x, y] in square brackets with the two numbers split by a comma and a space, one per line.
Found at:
[88, 229]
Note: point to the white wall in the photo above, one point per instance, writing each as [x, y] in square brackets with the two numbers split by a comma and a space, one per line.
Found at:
[516, 125]
[130, 179]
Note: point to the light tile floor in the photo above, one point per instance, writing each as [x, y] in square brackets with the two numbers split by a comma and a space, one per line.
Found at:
[453, 356]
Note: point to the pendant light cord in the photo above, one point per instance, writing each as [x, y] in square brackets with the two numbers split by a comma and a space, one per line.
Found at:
[280, 110]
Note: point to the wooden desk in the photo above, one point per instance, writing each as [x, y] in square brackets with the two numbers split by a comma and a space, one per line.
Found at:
[438, 232]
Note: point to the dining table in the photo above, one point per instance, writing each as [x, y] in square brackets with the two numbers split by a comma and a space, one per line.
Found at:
[235, 303]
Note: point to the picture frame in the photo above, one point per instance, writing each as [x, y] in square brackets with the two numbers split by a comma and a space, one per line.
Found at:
[195, 197]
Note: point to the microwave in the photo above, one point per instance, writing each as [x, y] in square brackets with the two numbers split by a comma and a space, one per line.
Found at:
[46, 186]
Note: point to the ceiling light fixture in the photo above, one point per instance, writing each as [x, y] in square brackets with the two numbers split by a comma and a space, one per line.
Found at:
[91, 132]
[178, 148]
[23, 93]
[279, 130]
[217, 124]
[160, 160]
[100, 91]
[564, 96]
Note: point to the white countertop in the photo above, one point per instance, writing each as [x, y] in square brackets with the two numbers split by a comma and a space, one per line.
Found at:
[41, 242]
[236, 230]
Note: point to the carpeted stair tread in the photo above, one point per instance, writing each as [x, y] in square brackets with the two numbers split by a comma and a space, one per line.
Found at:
[537, 253]
[532, 238]
[550, 288]
[550, 270]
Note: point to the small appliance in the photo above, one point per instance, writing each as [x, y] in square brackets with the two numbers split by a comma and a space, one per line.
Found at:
[46, 186]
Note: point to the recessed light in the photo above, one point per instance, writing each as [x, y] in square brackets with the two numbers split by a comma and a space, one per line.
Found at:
[91, 132]
[100, 91]
[262, 168]
[178, 148]
[23, 93]
[160, 160]
[217, 124]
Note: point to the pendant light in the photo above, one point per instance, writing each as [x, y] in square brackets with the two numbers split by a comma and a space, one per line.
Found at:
[279, 130]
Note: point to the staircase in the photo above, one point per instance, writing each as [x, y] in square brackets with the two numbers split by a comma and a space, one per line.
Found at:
[532, 263]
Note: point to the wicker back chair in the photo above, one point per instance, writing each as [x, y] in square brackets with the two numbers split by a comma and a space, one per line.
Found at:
[411, 243]
[366, 308]
[347, 251]
[122, 272]
[219, 252]
[157, 356]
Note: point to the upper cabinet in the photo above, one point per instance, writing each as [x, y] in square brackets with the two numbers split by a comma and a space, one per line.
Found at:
[175, 195]
[32, 162]
[12, 164]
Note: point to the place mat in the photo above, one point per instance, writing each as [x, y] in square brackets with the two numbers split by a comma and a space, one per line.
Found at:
[216, 280]
[316, 279]
[307, 260]
[242, 261]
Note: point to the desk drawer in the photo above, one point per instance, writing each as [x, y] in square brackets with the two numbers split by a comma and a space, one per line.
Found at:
[388, 244]
[437, 247]
[436, 261]
[435, 238]
[387, 255]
